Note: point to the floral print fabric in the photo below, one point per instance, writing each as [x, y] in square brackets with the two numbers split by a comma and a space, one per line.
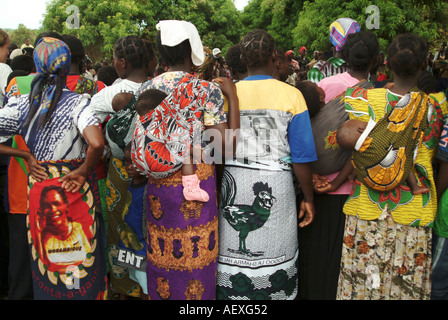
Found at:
[383, 260]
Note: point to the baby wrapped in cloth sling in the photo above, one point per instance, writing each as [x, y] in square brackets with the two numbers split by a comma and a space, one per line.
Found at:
[163, 137]
[331, 158]
[384, 154]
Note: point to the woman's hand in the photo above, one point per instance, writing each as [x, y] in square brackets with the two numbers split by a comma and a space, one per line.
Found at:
[36, 170]
[307, 212]
[74, 180]
[227, 86]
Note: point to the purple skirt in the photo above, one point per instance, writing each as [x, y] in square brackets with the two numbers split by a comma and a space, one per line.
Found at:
[182, 239]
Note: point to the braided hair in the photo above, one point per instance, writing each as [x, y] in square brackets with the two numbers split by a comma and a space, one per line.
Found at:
[152, 58]
[133, 50]
[257, 47]
[406, 54]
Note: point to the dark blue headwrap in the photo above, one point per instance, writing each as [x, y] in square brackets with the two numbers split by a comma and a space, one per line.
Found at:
[52, 58]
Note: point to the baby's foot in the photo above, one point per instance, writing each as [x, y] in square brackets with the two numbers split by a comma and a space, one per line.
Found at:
[192, 190]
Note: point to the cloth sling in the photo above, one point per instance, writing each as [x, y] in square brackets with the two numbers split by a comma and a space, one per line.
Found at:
[163, 137]
[384, 157]
[331, 157]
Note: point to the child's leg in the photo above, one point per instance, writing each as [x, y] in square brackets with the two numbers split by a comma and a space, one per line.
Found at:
[190, 181]
[415, 188]
[188, 168]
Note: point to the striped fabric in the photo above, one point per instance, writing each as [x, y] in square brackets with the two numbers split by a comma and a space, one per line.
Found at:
[52, 58]
[324, 69]
[59, 138]
[340, 29]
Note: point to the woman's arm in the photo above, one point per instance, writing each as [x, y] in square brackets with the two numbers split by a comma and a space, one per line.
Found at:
[442, 179]
[233, 118]
[229, 90]
[36, 170]
[304, 175]
[74, 180]
[343, 176]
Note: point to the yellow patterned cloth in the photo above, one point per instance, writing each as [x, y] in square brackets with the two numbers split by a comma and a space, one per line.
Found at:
[406, 208]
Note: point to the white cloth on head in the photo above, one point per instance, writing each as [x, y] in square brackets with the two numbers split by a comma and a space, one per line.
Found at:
[15, 53]
[215, 52]
[173, 32]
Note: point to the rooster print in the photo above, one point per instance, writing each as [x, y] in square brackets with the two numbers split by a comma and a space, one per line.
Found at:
[246, 218]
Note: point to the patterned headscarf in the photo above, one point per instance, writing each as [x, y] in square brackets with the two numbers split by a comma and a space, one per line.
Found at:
[340, 29]
[52, 58]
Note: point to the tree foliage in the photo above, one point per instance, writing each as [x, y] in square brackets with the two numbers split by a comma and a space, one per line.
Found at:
[293, 23]
[19, 35]
[101, 22]
[395, 17]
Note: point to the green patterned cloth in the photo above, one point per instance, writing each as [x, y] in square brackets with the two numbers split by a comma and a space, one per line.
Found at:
[324, 69]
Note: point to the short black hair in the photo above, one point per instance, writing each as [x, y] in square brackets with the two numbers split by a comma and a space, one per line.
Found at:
[280, 54]
[16, 73]
[76, 47]
[427, 82]
[311, 96]
[51, 34]
[406, 54]
[173, 55]
[150, 49]
[257, 47]
[233, 59]
[107, 75]
[360, 49]
[97, 66]
[148, 100]
[23, 62]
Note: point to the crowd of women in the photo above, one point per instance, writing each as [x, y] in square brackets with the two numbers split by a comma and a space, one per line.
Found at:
[100, 172]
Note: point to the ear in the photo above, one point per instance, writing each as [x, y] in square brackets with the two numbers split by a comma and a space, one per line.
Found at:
[425, 64]
[242, 59]
[124, 63]
[322, 99]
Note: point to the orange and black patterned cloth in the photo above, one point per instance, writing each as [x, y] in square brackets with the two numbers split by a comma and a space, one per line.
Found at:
[183, 235]
[406, 208]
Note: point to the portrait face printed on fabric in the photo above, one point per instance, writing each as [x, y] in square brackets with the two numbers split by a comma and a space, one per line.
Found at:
[60, 225]
[53, 212]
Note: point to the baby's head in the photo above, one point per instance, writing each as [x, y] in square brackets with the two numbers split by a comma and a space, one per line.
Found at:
[120, 100]
[314, 96]
[148, 100]
[349, 133]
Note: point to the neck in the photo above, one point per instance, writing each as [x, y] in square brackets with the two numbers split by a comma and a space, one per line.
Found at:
[360, 75]
[182, 68]
[138, 75]
[404, 85]
[185, 66]
[264, 70]
[74, 69]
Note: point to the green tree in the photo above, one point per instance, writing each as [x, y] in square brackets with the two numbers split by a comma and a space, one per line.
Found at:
[102, 22]
[19, 35]
[395, 18]
[278, 17]
[99, 23]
